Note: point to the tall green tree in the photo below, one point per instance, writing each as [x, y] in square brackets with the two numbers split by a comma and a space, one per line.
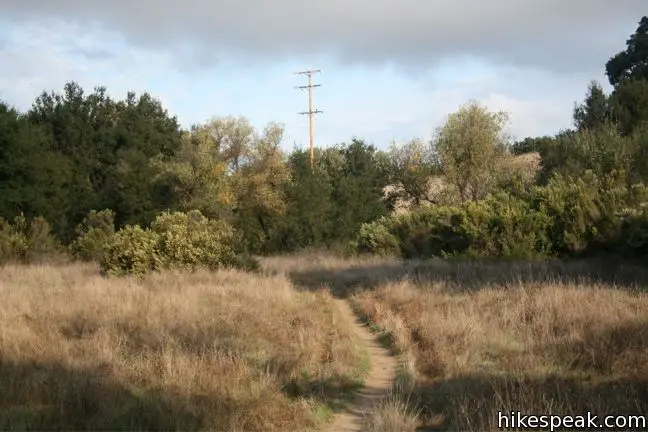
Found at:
[357, 189]
[594, 112]
[470, 147]
[307, 220]
[109, 144]
[631, 63]
[258, 188]
[627, 71]
[33, 175]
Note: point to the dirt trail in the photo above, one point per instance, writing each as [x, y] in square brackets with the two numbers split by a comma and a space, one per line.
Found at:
[377, 383]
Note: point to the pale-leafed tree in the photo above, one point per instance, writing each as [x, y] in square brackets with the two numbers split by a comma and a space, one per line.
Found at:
[411, 167]
[470, 149]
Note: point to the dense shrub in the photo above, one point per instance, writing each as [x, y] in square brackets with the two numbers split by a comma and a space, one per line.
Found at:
[633, 236]
[190, 240]
[26, 241]
[499, 226]
[93, 234]
[572, 153]
[13, 244]
[585, 211]
[376, 237]
[175, 240]
[566, 217]
[504, 226]
[131, 250]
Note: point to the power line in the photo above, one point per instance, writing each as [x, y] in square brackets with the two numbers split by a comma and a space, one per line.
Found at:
[311, 111]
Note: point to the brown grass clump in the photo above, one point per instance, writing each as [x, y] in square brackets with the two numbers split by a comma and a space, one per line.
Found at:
[219, 351]
[558, 347]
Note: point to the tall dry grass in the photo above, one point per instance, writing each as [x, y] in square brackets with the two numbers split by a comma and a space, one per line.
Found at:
[217, 351]
[483, 339]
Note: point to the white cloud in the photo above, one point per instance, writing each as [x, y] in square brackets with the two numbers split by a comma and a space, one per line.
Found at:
[378, 104]
[37, 58]
[558, 35]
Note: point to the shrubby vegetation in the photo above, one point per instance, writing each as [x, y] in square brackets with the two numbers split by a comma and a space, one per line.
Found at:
[221, 191]
[93, 234]
[25, 240]
[175, 240]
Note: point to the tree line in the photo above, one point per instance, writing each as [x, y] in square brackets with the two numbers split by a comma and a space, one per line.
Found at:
[74, 153]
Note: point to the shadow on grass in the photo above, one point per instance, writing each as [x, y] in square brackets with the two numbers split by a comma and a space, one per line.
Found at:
[473, 274]
[335, 392]
[605, 373]
[50, 396]
[474, 402]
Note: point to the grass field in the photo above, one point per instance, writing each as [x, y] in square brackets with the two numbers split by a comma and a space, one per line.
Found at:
[217, 351]
[236, 351]
[477, 339]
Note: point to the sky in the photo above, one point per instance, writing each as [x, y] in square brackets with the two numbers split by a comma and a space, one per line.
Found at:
[392, 70]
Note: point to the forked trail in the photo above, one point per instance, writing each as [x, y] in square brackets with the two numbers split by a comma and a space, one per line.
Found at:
[377, 383]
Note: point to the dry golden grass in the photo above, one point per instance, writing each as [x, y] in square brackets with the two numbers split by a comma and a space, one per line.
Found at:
[219, 351]
[393, 414]
[481, 339]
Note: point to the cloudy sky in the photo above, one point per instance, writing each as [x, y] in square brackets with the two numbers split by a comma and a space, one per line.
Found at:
[391, 69]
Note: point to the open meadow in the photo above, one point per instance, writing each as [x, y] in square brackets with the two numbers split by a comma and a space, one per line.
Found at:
[229, 350]
[175, 351]
[478, 339]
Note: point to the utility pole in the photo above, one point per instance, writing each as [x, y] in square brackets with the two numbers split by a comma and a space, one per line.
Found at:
[310, 112]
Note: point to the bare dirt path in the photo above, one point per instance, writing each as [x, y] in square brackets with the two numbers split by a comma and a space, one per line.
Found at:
[377, 383]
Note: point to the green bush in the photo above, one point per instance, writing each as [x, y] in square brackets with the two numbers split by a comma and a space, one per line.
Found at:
[175, 240]
[567, 217]
[93, 234]
[13, 243]
[501, 226]
[131, 250]
[424, 232]
[376, 237]
[584, 211]
[190, 240]
[26, 241]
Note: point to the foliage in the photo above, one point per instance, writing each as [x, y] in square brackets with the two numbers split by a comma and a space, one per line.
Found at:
[410, 167]
[594, 112]
[583, 210]
[103, 147]
[93, 233]
[568, 216]
[326, 206]
[633, 238]
[175, 240]
[530, 145]
[601, 150]
[33, 175]
[633, 61]
[629, 104]
[469, 147]
[190, 240]
[627, 71]
[75, 151]
[500, 226]
[257, 186]
[131, 250]
[24, 240]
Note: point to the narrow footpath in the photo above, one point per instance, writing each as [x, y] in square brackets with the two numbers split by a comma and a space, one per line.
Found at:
[378, 382]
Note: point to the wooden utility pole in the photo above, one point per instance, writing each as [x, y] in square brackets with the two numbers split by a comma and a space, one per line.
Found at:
[310, 112]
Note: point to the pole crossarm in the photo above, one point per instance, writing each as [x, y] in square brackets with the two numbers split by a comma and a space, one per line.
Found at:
[311, 111]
